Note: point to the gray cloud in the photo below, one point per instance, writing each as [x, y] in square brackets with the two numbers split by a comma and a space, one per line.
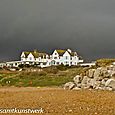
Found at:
[84, 25]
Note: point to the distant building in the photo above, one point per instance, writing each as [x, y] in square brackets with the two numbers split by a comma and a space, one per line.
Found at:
[41, 59]
[65, 57]
[35, 57]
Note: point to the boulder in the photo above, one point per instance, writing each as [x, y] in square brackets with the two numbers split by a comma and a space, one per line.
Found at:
[91, 73]
[85, 82]
[109, 88]
[97, 73]
[77, 79]
[78, 85]
[76, 88]
[102, 78]
[100, 88]
[110, 83]
[103, 82]
[104, 72]
[94, 84]
[69, 85]
[111, 73]
[103, 69]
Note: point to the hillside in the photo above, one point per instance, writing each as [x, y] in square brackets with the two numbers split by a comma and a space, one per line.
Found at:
[35, 77]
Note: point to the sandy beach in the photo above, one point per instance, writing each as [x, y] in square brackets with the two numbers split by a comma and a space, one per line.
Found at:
[59, 101]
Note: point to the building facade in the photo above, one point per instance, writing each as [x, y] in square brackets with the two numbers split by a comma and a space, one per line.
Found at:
[65, 57]
[41, 59]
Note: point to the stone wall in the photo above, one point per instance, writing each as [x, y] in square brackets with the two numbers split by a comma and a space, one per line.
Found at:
[102, 78]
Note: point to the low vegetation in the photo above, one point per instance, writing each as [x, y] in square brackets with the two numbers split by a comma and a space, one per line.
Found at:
[104, 62]
[35, 77]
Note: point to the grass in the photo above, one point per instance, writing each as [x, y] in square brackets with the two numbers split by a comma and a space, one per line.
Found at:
[53, 76]
[104, 62]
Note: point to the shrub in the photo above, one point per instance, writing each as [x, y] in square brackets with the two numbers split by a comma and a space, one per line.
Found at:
[104, 62]
[62, 67]
[52, 69]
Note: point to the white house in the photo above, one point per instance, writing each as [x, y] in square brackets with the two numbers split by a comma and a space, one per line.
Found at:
[35, 57]
[13, 63]
[58, 57]
[2, 64]
[10, 64]
[65, 57]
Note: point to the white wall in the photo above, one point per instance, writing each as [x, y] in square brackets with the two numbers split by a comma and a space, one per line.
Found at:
[67, 59]
[55, 57]
[30, 58]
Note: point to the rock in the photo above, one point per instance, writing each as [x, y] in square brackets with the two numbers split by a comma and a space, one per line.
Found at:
[79, 85]
[108, 88]
[77, 79]
[102, 78]
[95, 83]
[104, 72]
[91, 73]
[76, 88]
[103, 82]
[97, 73]
[103, 69]
[100, 88]
[85, 82]
[92, 82]
[69, 85]
[110, 83]
[111, 73]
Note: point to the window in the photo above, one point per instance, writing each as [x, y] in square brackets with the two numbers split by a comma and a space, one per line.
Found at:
[39, 59]
[53, 62]
[66, 62]
[55, 57]
[57, 63]
[66, 57]
[30, 62]
[23, 56]
[30, 58]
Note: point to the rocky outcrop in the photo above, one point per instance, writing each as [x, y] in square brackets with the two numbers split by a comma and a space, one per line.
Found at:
[69, 85]
[110, 83]
[102, 78]
[77, 79]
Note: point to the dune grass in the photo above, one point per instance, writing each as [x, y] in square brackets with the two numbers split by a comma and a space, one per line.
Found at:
[47, 77]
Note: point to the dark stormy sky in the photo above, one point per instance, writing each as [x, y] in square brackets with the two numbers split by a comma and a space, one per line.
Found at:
[87, 26]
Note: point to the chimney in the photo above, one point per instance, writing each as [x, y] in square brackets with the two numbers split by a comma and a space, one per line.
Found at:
[35, 51]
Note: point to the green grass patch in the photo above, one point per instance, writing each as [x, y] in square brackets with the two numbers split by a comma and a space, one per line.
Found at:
[52, 76]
